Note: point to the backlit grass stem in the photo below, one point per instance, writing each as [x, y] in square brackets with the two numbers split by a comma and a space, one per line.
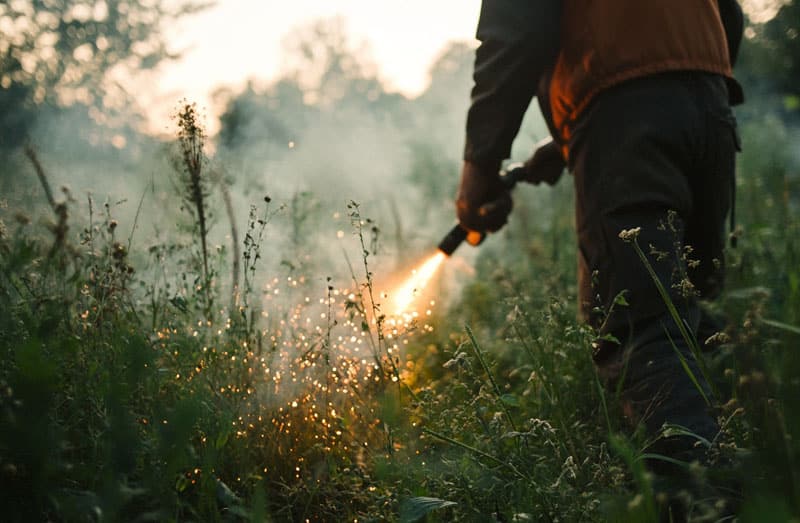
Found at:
[687, 336]
[475, 451]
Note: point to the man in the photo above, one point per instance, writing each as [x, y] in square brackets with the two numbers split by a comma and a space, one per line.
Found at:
[637, 97]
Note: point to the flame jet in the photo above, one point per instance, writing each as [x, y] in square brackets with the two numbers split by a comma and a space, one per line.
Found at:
[405, 294]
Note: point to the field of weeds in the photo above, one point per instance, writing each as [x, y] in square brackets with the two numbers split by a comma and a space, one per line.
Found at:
[174, 382]
[254, 326]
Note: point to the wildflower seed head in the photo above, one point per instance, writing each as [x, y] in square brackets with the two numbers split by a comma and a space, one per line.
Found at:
[67, 193]
[718, 338]
[119, 251]
[629, 235]
[657, 254]
[685, 288]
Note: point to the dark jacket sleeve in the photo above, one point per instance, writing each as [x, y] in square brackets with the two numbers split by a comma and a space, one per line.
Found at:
[733, 21]
[519, 42]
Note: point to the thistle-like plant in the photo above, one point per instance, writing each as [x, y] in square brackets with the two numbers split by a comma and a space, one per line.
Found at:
[193, 180]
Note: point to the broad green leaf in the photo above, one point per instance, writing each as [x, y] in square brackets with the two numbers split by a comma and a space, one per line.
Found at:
[510, 400]
[620, 300]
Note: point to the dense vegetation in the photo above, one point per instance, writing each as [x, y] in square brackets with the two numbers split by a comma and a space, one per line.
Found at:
[218, 342]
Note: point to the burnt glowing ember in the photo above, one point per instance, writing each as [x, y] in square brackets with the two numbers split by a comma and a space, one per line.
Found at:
[308, 379]
[404, 296]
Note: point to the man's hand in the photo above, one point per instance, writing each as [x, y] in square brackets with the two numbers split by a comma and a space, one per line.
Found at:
[546, 165]
[483, 202]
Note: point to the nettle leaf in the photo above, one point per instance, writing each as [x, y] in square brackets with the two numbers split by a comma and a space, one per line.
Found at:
[414, 509]
[510, 400]
[620, 300]
[609, 337]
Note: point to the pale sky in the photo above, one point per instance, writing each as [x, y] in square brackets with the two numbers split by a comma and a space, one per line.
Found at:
[241, 39]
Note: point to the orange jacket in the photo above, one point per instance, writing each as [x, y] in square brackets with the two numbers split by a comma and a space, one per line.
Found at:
[606, 42]
[594, 44]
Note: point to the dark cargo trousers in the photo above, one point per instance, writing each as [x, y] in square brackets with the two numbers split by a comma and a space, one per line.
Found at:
[657, 154]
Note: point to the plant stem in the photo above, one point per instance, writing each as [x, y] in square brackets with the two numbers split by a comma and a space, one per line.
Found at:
[236, 249]
[475, 451]
[491, 378]
[37, 166]
[688, 338]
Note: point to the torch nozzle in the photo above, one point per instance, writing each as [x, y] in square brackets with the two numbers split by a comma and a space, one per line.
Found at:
[452, 240]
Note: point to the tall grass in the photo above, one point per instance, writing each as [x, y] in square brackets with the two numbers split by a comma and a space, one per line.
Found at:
[124, 395]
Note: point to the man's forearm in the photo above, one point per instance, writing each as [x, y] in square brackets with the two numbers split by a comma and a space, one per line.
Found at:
[519, 42]
[733, 23]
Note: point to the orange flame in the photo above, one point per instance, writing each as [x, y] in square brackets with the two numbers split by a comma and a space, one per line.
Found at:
[410, 289]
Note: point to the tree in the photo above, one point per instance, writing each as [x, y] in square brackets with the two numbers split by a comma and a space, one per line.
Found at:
[770, 60]
[322, 61]
[275, 115]
[59, 53]
[326, 78]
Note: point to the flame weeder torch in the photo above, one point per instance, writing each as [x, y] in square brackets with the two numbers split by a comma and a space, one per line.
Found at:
[458, 234]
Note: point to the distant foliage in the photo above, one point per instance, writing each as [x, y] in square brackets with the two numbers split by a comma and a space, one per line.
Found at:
[770, 59]
[60, 53]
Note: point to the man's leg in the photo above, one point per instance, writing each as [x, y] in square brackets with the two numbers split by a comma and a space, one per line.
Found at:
[636, 159]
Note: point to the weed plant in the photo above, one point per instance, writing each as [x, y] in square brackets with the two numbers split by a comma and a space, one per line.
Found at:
[129, 392]
[127, 395]
[515, 425]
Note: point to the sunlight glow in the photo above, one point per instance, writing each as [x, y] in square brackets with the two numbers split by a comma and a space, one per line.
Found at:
[237, 41]
[760, 11]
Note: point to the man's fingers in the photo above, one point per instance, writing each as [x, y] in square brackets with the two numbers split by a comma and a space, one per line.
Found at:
[491, 216]
[482, 203]
[546, 165]
[467, 216]
[494, 215]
